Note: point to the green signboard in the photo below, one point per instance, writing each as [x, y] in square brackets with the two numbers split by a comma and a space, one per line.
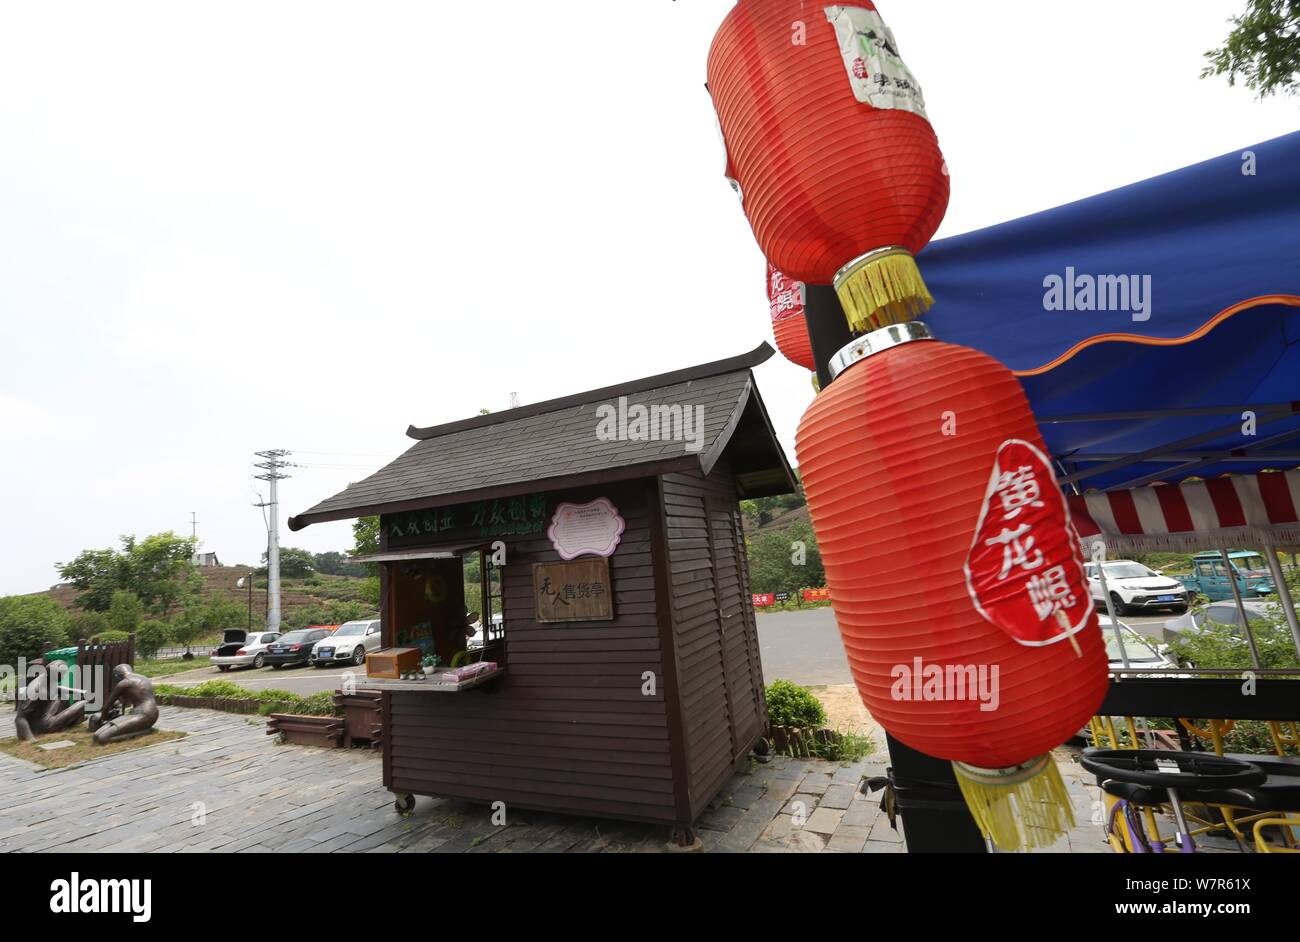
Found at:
[526, 515]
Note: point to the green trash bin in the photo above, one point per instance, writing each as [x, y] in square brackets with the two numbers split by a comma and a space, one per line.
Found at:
[69, 657]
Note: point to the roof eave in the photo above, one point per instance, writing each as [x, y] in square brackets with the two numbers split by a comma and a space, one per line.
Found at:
[760, 354]
[648, 469]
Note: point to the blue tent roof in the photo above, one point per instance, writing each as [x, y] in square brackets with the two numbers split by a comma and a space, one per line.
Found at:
[1204, 325]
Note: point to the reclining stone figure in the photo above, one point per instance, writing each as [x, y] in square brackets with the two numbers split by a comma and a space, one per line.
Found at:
[38, 713]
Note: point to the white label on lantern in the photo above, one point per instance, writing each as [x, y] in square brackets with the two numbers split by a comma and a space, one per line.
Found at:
[877, 73]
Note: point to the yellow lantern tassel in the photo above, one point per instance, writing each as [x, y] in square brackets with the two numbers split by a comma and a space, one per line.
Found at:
[881, 288]
[1032, 794]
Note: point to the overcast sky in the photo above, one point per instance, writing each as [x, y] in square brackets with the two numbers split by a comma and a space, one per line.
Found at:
[237, 226]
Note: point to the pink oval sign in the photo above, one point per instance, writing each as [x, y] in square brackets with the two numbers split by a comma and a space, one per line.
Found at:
[594, 527]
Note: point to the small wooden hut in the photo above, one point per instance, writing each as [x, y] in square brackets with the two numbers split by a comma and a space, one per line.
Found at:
[596, 541]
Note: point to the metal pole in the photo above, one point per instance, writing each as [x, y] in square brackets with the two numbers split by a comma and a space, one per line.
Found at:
[1099, 557]
[273, 562]
[250, 600]
[1241, 607]
[1283, 595]
[273, 466]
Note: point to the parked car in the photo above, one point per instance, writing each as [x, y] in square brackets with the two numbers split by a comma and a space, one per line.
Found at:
[349, 644]
[1134, 587]
[1210, 577]
[1142, 652]
[295, 647]
[240, 648]
[1221, 613]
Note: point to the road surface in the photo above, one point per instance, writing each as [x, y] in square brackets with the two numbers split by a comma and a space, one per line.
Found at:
[804, 647]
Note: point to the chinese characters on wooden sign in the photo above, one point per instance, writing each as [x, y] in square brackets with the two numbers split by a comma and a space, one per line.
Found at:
[578, 590]
[486, 519]
[1024, 572]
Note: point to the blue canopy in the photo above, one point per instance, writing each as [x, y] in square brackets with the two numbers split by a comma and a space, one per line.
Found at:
[1145, 321]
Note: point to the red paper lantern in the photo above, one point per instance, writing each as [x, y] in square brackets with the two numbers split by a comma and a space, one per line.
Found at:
[826, 133]
[947, 546]
[785, 298]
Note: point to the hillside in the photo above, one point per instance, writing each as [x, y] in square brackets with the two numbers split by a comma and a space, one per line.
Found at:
[220, 582]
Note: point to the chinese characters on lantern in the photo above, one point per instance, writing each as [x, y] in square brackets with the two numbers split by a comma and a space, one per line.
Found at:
[784, 295]
[1023, 570]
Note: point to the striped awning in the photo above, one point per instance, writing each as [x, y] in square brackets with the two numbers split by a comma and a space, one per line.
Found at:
[1226, 512]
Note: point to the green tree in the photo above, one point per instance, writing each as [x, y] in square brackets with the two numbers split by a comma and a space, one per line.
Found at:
[156, 569]
[785, 560]
[1263, 48]
[336, 564]
[126, 611]
[159, 569]
[365, 536]
[97, 574]
[294, 563]
[30, 625]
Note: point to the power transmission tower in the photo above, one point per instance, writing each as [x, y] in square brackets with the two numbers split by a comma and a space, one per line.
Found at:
[273, 465]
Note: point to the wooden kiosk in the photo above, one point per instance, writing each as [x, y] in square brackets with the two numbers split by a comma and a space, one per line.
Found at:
[597, 540]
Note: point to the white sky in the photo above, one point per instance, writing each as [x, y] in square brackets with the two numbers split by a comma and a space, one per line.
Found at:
[240, 226]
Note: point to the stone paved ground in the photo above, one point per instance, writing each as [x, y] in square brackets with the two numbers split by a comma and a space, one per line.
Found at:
[229, 787]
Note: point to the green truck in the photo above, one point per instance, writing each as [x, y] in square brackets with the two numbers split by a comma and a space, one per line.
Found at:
[1209, 576]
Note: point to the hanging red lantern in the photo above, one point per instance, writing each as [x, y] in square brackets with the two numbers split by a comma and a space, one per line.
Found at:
[952, 564]
[828, 141]
[786, 300]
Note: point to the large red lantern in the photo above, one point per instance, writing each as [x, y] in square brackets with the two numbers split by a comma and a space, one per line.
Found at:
[828, 141]
[786, 301]
[952, 565]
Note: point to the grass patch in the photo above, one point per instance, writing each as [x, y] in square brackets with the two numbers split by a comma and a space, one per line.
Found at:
[170, 666]
[84, 750]
[268, 701]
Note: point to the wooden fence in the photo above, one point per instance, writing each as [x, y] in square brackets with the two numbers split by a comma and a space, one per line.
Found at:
[95, 653]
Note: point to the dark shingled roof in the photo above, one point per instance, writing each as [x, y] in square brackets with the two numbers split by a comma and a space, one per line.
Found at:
[553, 444]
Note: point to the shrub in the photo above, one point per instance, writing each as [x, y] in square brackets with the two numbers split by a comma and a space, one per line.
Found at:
[151, 636]
[29, 626]
[111, 636]
[788, 704]
[88, 625]
[271, 701]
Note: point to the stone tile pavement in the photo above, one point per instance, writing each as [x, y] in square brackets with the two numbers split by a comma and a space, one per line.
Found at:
[228, 786]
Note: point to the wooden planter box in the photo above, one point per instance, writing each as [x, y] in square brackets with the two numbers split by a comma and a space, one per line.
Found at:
[326, 731]
[225, 704]
[797, 740]
[363, 713]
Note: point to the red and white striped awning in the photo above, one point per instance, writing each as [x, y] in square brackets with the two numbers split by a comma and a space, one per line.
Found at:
[1221, 513]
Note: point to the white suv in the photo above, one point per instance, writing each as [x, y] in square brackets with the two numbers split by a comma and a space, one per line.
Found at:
[349, 645]
[1134, 587]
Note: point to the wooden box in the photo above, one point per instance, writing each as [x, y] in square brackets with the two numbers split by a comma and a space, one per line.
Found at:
[391, 663]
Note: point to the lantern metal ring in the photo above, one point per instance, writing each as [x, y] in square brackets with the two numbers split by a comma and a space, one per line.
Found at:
[878, 340]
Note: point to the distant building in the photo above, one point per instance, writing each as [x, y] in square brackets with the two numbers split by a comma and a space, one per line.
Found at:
[205, 559]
